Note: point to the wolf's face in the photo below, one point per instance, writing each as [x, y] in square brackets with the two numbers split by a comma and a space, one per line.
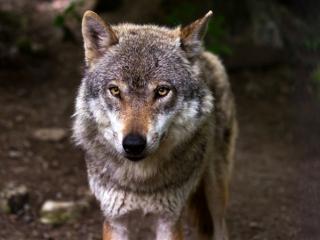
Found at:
[141, 87]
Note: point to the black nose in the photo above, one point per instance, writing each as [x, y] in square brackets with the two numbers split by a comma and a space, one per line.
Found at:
[134, 144]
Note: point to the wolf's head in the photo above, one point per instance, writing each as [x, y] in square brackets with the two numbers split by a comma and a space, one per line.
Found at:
[142, 88]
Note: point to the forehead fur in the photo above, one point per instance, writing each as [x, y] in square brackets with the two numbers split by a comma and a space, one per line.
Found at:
[144, 53]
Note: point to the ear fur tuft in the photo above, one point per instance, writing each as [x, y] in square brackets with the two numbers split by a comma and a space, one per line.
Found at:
[193, 34]
[98, 36]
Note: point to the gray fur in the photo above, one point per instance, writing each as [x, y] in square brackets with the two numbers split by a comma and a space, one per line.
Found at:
[179, 156]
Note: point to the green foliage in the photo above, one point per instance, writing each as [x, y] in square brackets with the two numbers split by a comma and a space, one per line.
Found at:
[185, 12]
[316, 81]
[312, 44]
[15, 38]
[216, 32]
[69, 13]
[24, 45]
[316, 75]
[9, 19]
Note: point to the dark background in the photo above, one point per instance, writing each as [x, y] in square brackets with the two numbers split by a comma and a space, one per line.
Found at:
[271, 51]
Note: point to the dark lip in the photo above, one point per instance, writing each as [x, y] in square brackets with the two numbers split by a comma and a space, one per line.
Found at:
[164, 135]
[135, 158]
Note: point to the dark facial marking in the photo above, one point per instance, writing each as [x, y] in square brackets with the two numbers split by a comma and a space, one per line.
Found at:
[199, 107]
[92, 90]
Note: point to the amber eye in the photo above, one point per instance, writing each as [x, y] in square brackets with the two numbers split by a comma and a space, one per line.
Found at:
[115, 91]
[162, 91]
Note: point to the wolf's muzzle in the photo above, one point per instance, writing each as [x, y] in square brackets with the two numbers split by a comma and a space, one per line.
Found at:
[134, 145]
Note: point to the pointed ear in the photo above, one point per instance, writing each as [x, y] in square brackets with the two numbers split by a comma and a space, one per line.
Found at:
[98, 36]
[191, 36]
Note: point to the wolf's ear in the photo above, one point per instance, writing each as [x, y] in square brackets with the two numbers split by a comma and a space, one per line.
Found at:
[191, 35]
[98, 36]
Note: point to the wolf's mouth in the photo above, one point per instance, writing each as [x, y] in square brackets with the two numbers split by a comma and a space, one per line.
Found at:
[135, 158]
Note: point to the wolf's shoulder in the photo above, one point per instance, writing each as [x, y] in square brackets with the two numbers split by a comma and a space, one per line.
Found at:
[213, 73]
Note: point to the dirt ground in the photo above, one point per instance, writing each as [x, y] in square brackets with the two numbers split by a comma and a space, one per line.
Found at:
[275, 192]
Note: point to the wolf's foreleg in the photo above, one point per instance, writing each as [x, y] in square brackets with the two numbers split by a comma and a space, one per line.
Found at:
[216, 190]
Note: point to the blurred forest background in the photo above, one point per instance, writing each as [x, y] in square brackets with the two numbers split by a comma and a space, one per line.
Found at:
[271, 50]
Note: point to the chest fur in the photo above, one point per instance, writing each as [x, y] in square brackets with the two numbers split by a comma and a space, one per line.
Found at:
[116, 202]
[163, 193]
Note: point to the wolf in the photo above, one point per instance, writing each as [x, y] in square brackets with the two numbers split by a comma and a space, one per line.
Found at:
[155, 116]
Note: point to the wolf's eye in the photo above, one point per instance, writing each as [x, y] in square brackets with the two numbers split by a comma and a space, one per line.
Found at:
[115, 91]
[162, 91]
